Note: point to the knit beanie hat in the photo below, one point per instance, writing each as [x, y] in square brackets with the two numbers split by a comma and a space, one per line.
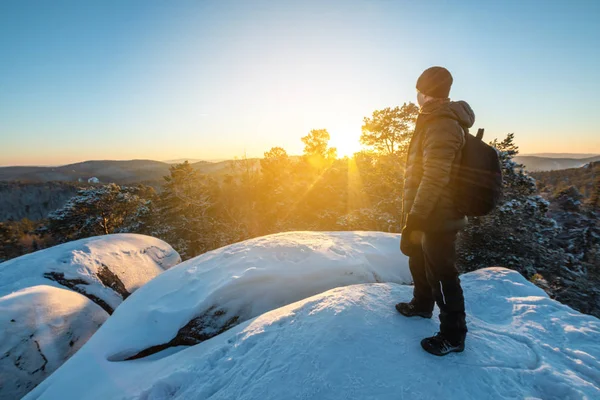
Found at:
[435, 82]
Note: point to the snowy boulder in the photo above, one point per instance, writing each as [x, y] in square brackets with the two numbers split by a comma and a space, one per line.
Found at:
[211, 293]
[40, 328]
[350, 343]
[106, 269]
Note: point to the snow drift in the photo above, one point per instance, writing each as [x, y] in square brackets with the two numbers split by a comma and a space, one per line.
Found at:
[211, 293]
[106, 269]
[350, 343]
[41, 327]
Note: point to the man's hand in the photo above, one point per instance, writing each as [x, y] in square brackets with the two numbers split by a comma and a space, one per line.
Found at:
[410, 241]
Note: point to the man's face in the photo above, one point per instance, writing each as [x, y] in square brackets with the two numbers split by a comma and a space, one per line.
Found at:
[420, 99]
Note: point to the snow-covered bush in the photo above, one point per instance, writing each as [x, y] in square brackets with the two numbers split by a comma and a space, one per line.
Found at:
[101, 211]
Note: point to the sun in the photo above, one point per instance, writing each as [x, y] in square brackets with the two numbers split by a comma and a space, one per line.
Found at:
[345, 137]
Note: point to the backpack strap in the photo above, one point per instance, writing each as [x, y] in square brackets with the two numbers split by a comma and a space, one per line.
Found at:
[479, 133]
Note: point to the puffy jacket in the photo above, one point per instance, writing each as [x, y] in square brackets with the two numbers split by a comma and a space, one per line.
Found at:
[433, 156]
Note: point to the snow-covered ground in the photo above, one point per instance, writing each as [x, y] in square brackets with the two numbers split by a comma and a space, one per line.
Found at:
[40, 328]
[212, 292]
[52, 301]
[348, 342]
[89, 266]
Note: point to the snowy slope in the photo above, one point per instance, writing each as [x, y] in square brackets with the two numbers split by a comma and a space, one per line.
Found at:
[40, 328]
[212, 292]
[106, 269]
[350, 343]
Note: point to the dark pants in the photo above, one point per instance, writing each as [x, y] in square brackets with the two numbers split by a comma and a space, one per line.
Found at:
[436, 280]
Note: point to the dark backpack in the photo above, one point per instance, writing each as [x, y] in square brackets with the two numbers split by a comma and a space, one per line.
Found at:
[478, 181]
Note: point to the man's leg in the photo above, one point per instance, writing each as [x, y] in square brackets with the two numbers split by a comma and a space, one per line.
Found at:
[422, 292]
[439, 250]
[422, 303]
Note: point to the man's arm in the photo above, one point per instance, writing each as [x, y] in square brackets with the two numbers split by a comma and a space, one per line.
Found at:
[441, 145]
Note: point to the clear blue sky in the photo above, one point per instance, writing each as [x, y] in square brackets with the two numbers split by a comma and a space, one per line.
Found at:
[211, 79]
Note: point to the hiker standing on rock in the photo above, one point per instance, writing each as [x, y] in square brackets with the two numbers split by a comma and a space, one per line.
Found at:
[432, 220]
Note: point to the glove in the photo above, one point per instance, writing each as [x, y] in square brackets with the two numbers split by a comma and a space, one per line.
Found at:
[410, 241]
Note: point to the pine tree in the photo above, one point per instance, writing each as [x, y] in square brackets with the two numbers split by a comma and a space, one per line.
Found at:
[591, 254]
[595, 197]
[8, 242]
[568, 199]
[388, 131]
[380, 170]
[97, 211]
[185, 208]
[275, 165]
[317, 151]
[275, 190]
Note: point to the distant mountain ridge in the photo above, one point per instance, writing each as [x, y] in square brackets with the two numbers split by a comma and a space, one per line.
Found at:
[181, 160]
[562, 155]
[120, 172]
[535, 163]
[150, 171]
[581, 178]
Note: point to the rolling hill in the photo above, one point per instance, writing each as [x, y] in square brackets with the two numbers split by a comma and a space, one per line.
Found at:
[582, 178]
[535, 163]
[562, 155]
[152, 172]
[120, 172]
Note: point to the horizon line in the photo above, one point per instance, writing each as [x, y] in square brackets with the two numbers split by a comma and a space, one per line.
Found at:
[217, 160]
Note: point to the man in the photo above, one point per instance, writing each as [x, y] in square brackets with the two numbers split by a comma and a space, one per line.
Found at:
[432, 220]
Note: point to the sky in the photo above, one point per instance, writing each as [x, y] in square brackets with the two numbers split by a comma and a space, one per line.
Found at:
[163, 80]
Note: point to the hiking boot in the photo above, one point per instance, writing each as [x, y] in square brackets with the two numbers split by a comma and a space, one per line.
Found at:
[440, 345]
[413, 309]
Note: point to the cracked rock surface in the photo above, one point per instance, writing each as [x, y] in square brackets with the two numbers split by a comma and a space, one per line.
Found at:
[42, 327]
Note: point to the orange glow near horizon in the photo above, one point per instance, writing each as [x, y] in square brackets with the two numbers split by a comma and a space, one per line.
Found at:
[345, 137]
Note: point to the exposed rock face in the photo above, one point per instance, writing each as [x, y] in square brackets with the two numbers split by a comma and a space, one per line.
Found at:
[111, 280]
[208, 325]
[106, 276]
